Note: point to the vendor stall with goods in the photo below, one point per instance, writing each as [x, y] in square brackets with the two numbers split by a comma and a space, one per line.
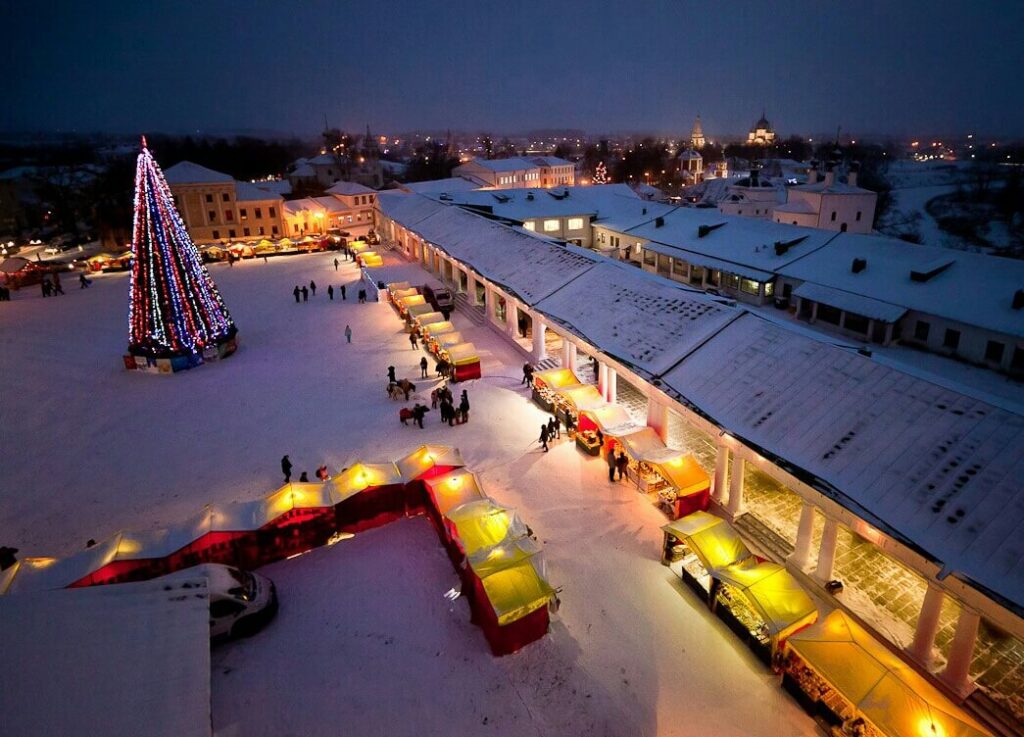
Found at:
[846, 678]
[600, 426]
[408, 302]
[368, 495]
[464, 360]
[698, 543]
[546, 383]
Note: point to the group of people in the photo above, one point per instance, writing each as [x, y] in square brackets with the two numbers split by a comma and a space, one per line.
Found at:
[443, 399]
[302, 293]
[52, 287]
[550, 431]
[616, 463]
[286, 469]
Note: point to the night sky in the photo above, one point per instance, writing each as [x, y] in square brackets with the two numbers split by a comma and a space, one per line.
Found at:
[904, 67]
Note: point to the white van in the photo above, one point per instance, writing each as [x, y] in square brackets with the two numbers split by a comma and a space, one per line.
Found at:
[241, 602]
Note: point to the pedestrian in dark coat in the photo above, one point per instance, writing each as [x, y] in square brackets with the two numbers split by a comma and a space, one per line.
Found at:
[57, 289]
[412, 340]
[544, 437]
[286, 469]
[83, 283]
[423, 367]
[612, 464]
[44, 285]
[527, 374]
[304, 478]
[622, 463]
[312, 287]
[570, 425]
[348, 336]
[305, 294]
[296, 292]
[343, 292]
[330, 291]
[464, 406]
[335, 264]
[391, 375]
[418, 412]
[556, 426]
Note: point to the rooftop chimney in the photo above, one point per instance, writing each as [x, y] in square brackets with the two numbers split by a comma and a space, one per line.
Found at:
[830, 173]
[812, 173]
[851, 176]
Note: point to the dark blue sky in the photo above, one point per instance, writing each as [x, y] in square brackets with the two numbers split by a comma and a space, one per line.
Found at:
[881, 66]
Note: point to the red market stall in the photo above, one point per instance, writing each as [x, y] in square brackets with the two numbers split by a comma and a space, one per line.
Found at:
[546, 383]
[681, 484]
[571, 400]
[368, 495]
[465, 362]
[424, 463]
[477, 525]
[607, 422]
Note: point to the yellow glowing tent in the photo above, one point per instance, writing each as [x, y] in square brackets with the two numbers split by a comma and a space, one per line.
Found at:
[285, 242]
[412, 300]
[773, 592]
[684, 473]
[434, 329]
[416, 310]
[453, 489]
[556, 378]
[358, 246]
[462, 353]
[361, 476]
[427, 457]
[582, 396]
[884, 689]
[371, 259]
[612, 419]
[449, 340]
[297, 495]
[400, 294]
[483, 524]
[429, 318]
[711, 538]
[394, 286]
[515, 591]
[508, 553]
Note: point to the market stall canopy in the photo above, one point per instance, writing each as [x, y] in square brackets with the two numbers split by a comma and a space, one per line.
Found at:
[613, 420]
[711, 538]
[449, 340]
[463, 353]
[427, 457]
[358, 246]
[401, 294]
[454, 489]
[429, 318]
[362, 476]
[371, 259]
[483, 524]
[646, 445]
[582, 396]
[885, 690]
[432, 330]
[516, 591]
[509, 553]
[774, 593]
[556, 378]
[412, 300]
[685, 474]
[420, 309]
[396, 286]
[297, 496]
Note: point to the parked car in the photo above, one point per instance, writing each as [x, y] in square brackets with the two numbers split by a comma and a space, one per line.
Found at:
[241, 602]
[440, 298]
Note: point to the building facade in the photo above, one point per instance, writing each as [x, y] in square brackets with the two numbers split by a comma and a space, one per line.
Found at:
[538, 171]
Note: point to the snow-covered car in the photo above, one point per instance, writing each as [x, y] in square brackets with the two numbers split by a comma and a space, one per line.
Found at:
[241, 602]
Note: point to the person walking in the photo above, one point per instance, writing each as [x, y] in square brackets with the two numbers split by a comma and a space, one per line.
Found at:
[613, 464]
[412, 340]
[570, 426]
[44, 285]
[418, 411]
[556, 425]
[527, 375]
[312, 287]
[57, 289]
[423, 367]
[342, 287]
[305, 294]
[544, 436]
[83, 283]
[433, 398]
[330, 291]
[391, 375]
[622, 463]
[335, 264]
[286, 469]
[348, 334]
[464, 406]
[296, 292]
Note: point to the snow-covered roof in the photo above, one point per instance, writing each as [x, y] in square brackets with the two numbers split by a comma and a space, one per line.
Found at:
[549, 161]
[498, 165]
[349, 188]
[644, 321]
[331, 204]
[250, 192]
[797, 207]
[185, 172]
[523, 204]
[871, 308]
[316, 204]
[738, 242]
[689, 154]
[441, 186]
[835, 187]
[322, 160]
[975, 289]
[277, 186]
[935, 468]
[303, 171]
[121, 661]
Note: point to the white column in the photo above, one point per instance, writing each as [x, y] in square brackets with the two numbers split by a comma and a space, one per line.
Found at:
[612, 392]
[657, 417]
[572, 357]
[473, 298]
[565, 353]
[602, 379]
[927, 626]
[721, 473]
[961, 651]
[801, 554]
[511, 318]
[827, 551]
[735, 505]
[489, 304]
[539, 331]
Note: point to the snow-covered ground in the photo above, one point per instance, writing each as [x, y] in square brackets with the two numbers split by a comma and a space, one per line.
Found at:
[365, 642]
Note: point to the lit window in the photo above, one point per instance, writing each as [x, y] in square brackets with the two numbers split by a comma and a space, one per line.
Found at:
[530, 225]
[550, 226]
[749, 286]
[769, 288]
[575, 224]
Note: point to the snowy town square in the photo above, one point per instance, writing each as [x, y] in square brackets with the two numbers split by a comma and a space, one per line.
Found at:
[447, 370]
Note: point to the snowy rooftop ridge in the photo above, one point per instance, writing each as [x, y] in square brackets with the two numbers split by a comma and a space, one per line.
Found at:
[186, 172]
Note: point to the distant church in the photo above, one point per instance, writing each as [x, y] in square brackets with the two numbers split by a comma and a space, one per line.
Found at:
[761, 134]
[697, 140]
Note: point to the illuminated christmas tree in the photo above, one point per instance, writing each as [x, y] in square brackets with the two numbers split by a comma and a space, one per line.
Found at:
[174, 311]
[600, 173]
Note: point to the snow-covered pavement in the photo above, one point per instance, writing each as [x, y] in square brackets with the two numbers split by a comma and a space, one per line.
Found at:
[365, 642]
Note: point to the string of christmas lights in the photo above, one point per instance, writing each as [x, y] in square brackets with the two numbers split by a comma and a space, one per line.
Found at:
[174, 308]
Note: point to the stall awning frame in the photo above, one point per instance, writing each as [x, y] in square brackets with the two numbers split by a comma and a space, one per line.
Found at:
[711, 538]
